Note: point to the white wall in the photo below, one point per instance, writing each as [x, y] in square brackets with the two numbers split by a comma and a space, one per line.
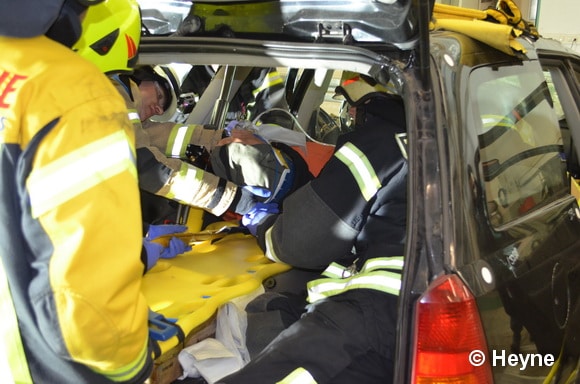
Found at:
[558, 19]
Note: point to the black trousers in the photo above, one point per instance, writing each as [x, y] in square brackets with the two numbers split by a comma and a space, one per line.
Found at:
[347, 338]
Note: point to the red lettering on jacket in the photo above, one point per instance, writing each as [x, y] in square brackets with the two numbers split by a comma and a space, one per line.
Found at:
[7, 86]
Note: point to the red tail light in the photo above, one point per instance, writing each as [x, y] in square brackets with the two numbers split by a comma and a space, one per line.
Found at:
[448, 330]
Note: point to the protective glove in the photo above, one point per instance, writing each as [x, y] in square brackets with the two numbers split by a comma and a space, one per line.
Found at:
[247, 197]
[237, 124]
[156, 251]
[255, 216]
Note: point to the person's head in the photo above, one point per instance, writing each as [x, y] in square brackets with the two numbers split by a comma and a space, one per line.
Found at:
[60, 20]
[157, 88]
[358, 91]
[111, 35]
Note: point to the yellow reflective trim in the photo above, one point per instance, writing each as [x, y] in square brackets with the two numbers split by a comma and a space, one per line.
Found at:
[395, 262]
[383, 281]
[361, 168]
[335, 270]
[129, 371]
[178, 139]
[13, 364]
[490, 121]
[273, 78]
[270, 254]
[62, 180]
[298, 376]
[183, 183]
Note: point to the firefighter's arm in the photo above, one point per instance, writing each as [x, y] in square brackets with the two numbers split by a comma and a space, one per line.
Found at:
[92, 310]
[183, 182]
[190, 185]
[172, 139]
[319, 222]
[308, 234]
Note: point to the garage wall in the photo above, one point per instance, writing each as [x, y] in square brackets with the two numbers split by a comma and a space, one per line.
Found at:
[558, 19]
[526, 6]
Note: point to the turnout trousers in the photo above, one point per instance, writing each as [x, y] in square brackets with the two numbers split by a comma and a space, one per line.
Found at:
[346, 338]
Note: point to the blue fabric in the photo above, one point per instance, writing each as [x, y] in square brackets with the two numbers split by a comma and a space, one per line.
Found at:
[28, 18]
[287, 184]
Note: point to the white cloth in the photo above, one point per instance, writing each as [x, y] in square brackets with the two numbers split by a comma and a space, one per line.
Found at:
[271, 132]
[209, 359]
[214, 358]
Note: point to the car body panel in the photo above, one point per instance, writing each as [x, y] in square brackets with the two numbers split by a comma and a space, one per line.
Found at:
[387, 21]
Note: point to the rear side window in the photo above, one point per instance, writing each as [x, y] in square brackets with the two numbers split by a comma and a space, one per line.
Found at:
[561, 86]
[519, 140]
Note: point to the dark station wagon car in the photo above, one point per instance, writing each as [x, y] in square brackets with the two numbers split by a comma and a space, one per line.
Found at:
[491, 282]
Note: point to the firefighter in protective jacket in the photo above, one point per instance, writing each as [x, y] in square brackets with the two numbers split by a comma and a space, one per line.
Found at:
[164, 173]
[70, 232]
[350, 220]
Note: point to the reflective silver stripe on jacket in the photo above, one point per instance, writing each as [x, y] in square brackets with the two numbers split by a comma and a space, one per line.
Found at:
[381, 274]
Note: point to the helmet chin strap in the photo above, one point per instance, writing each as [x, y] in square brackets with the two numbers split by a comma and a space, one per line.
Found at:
[67, 27]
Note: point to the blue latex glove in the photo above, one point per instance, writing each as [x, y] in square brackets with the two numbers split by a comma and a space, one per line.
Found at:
[248, 197]
[258, 214]
[238, 124]
[232, 125]
[155, 231]
[156, 251]
[258, 191]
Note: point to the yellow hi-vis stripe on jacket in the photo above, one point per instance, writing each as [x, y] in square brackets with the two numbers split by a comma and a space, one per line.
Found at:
[372, 276]
[361, 169]
[79, 171]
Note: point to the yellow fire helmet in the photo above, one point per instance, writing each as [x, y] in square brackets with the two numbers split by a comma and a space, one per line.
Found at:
[111, 35]
[357, 88]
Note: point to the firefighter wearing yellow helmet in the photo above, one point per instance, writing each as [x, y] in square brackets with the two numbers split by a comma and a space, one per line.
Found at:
[70, 232]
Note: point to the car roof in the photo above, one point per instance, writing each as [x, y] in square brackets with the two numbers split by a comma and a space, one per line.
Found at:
[393, 22]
